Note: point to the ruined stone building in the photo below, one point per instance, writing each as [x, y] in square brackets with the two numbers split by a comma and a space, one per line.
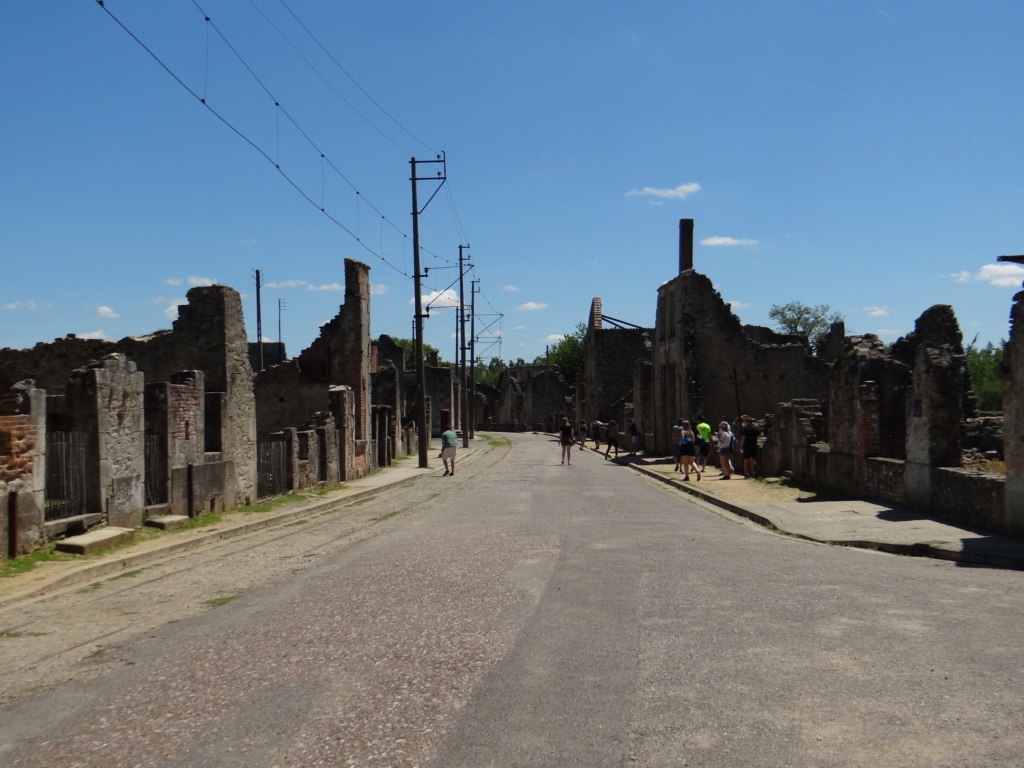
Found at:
[108, 432]
[538, 396]
[706, 362]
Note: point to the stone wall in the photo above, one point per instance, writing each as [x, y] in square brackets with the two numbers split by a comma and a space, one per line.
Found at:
[706, 362]
[1013, 419]
[22, 471]
[609, 356]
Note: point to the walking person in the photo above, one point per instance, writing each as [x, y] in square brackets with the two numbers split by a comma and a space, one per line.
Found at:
[583, 433]
[634, 437]
[749, 435]
[613, 439]
[449, 441]
[703, 429]
[595, 433]
[567, 438]
[687, 450]
[677, 439]
[726, 441]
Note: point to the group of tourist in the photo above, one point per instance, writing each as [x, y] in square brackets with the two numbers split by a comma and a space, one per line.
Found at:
[692, 446]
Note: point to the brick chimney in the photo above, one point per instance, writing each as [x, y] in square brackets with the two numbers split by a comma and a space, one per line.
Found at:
[685, 244]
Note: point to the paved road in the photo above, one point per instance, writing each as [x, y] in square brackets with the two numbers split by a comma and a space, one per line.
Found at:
[525, 613]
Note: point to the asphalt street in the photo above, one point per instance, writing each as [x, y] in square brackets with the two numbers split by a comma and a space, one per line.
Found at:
[525, 613]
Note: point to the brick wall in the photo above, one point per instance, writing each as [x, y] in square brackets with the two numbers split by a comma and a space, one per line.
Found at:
[18, 435]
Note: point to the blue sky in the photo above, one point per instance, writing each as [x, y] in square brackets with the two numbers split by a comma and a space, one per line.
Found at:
[863, 155]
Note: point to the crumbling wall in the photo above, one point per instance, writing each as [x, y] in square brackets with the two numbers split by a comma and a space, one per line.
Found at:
[1013, 419]
[22, 471]
[706, 362]
[609, 355]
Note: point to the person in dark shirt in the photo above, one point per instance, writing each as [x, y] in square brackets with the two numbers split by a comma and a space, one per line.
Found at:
[748, 446]
[567, 438]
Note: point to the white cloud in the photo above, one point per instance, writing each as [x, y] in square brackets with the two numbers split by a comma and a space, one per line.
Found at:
[961, 277]
[201, 281]
[378, 289]
[554, 338]
[171, 310]
[877, 311]
[326, 287]
[519, 328]
[683, 190]
[288, 284]
[738, 305]
[93, 335]
[106, 312]
[172, 281]
[1002, 275]
[888, 332]
[439, 299]
[509, 288]
[719, 240]
[532, 305]
[21, 305]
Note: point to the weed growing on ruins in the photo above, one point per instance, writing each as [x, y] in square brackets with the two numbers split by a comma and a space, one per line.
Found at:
[218, 601]
[25, 563]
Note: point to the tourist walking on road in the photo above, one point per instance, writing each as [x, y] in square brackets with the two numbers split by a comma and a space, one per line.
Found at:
[567, 438]
[449, 441]
[583, 433]
[613, 439]
[726, 442]
[595, 433]
[634, 437]
[687, 450]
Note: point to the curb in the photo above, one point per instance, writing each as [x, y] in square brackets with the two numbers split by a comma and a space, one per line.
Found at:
[90, 571]
[918, 549]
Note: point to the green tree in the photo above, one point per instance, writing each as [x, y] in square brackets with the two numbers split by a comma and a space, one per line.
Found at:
[490, 374]
[985, 367]
[797, 317]
[567, 354]
[410, 353]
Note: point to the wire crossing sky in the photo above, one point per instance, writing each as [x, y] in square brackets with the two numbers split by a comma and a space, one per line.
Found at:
[865, 156]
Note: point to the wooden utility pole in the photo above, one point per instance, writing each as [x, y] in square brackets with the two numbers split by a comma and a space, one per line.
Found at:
[461, 332]
[472, 340]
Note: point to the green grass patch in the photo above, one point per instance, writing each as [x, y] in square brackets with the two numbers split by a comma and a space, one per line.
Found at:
[91, 588]
[323, 491]
[269, 504]
[218, 601]
[26, 563]
[357, 502]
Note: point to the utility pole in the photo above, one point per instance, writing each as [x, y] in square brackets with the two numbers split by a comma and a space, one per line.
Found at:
[460, 333]
[422, 428]
[280, 309]
[259, 317]
[472, 341]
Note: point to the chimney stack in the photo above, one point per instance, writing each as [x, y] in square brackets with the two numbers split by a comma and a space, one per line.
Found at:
[685, 245]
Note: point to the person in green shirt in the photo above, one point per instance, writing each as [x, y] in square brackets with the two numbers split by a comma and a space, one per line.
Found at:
[704, 429]
[449, 440]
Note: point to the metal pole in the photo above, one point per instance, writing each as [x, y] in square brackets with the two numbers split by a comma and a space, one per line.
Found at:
[461, 333]
[422, 429]
[472, 342]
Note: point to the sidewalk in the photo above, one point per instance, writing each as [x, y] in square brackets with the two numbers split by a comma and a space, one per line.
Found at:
[852, 523]
[49, 576]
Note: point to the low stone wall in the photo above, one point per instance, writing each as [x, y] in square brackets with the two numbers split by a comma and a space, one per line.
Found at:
[970, 497]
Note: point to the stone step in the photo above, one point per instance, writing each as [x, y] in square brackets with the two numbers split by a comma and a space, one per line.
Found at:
[87, 543]
[168, 522]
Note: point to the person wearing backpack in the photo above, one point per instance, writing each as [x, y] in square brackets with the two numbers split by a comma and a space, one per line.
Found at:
[613, 438]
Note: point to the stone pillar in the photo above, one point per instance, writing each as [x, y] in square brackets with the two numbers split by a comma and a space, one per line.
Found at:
[685, 244]
[935, 411]
[106, 399]
[1013, 419]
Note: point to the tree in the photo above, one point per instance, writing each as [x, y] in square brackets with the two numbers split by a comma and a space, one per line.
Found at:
[409, 346]
[567, 354]
[812, 322]
[490, 374]
[985, 367]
